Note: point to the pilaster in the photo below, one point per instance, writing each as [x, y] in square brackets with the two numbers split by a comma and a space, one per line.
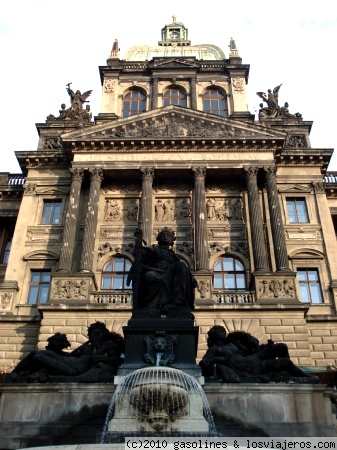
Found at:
[200, 220]
[146, 204]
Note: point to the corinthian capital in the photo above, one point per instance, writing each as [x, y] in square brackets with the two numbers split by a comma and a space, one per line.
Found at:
[199, 173]
[147, 173]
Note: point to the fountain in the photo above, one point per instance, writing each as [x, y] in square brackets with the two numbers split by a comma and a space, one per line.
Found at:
[158, 400]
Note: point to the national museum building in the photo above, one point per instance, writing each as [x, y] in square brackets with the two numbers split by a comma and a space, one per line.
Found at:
[251, 203]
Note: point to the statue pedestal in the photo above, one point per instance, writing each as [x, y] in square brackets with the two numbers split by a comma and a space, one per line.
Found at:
[179, 331]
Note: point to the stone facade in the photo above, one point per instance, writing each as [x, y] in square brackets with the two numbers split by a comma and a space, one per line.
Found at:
[221, 180]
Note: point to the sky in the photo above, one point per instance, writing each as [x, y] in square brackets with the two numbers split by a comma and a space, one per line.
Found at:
[45, 44]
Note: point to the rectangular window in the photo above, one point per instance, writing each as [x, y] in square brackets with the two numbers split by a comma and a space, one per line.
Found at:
[38, 287]
[310, 287]
[51, 214]
[297, 210]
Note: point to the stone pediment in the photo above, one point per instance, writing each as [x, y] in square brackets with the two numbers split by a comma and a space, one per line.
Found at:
[179, 123]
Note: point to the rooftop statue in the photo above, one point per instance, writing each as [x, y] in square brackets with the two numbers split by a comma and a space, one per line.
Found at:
[76, 111]
[273, 110]
[160, 280]
[94, 361]
[239, 358]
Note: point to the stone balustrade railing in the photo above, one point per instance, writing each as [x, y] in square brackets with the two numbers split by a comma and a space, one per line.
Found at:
[113, 297]
[231, 298]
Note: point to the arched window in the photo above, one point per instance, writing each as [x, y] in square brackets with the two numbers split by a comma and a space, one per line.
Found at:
[115, 273]
[175, 96]
[214, 102]
[134, 102]
[229, 274]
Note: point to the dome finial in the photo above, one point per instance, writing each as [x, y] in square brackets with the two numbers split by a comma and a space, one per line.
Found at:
[174, 18]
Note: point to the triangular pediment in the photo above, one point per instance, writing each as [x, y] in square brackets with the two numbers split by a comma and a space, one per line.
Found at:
[175, 122]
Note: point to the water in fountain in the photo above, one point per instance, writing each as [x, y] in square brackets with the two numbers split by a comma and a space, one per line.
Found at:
[157, 401]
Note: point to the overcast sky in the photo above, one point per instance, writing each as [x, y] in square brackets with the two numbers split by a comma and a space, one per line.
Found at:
[45, 44]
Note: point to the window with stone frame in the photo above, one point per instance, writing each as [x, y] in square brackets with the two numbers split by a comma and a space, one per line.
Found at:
[310, 286]
[7, 249]
[297, 210]
[214, 101]
[134, 102]
[39, 286]
[51, 214]
[175, 95]
[229, 274]
[115, 274]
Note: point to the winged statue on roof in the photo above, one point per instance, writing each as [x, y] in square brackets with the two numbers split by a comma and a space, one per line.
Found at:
[271, 98]
[77, 98]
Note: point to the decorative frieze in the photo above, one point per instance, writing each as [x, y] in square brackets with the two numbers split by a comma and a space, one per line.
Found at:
[240, 247]
[38, 234]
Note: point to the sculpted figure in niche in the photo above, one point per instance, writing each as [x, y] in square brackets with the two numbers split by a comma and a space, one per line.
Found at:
[159, 278]
[184, 209]
[112, 211]
[159, 210]
[169, 210]
[210, 207]
[132, 212]
[239, 358]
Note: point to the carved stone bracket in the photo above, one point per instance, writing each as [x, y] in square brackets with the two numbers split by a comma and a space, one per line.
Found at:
[29, 189]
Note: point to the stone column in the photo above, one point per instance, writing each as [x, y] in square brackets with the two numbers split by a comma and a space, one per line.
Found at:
[71, 222]
[154, 95]
[200, 220]
[193, 94]
[256, 221]
[146, 204]
[280, 248]
[87, 256]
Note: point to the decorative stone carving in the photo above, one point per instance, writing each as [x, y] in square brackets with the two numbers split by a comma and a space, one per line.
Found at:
[159, 348]
[240, 247]
[69, 289]
[303, 234]
[52, 144]
[224, 188]
[224, 209]
[169, 188]
[43, 235]
[276, 288]
[203, 288]
[105, 248]
[318, 187]
[183, 209]
[297, 141]
[238, 84]
[6, 299]
[185, 247]
[109, 86]
[132, 210]
[76, 112]
[112, 211]
[165, 210]
[273, 109]
[29, 189]
[114, 188]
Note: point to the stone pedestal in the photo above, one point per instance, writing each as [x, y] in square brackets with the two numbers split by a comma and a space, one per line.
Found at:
[180, 332]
